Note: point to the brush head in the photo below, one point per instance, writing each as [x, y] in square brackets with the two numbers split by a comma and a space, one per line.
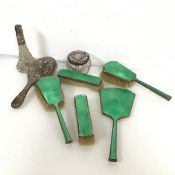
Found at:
[86, 140]
[118, 74]
[116, 80]
[73, 82]
[80, 79]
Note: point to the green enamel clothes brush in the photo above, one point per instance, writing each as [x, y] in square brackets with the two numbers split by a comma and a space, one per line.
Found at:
[116, 103]
[50, 89]
[85, 130]
[80, 79]
[116, 73]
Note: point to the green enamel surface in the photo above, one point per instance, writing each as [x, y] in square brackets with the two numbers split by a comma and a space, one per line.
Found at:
[83, 116]
[116, 69]
[116, 103]
[153, 89]
[50, 88]
[77, 76]
[65, 131]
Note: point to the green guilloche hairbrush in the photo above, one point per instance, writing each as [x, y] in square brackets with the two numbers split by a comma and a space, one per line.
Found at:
[116, 103]
[50, 89]
[116, 73]
[80, 79]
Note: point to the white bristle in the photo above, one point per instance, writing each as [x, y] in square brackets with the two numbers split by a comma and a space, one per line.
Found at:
[115, 80]
[82, 84]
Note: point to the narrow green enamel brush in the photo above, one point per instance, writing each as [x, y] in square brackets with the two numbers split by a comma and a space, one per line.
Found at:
[50, 89]
[85, 130]
[80, 79]
[116, 103]
[116, 73]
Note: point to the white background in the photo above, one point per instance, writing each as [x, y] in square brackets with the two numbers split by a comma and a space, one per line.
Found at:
[138, 33]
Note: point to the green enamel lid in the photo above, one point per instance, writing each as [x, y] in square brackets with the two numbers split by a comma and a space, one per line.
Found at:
[77, 76]
[116, 69]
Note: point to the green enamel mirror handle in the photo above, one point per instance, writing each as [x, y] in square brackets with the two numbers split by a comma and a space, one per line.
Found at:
[158, 92]
[113, 147]
[66, 134]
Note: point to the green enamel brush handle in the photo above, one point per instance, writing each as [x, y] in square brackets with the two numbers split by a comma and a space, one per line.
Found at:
[158, 92]
[113, 148]
[66, 134]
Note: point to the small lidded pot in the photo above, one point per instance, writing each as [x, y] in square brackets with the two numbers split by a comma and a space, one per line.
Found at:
[78, 61]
